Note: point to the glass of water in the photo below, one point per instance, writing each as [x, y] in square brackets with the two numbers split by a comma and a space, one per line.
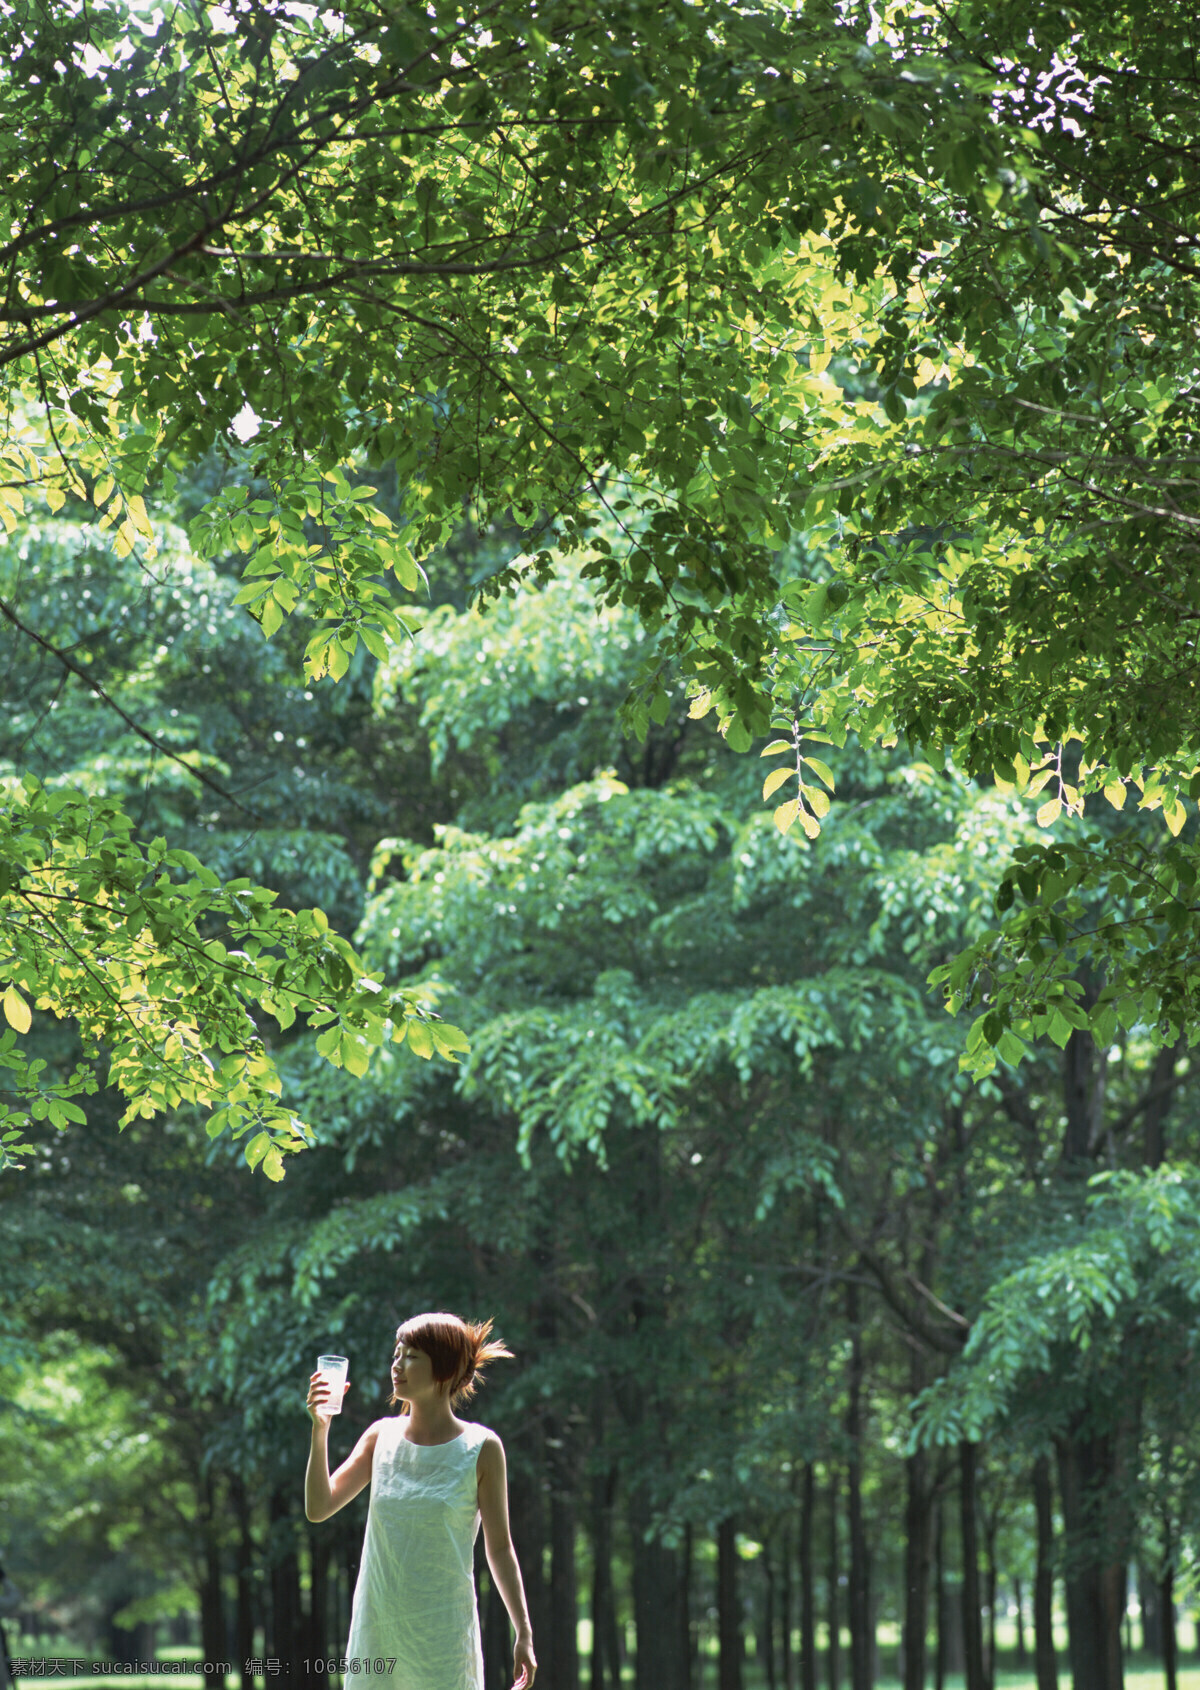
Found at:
[334, 1369]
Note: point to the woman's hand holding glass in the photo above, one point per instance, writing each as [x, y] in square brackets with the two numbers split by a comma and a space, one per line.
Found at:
[325, 1398]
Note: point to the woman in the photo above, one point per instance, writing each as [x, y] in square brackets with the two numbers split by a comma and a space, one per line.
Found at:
[433, 1477]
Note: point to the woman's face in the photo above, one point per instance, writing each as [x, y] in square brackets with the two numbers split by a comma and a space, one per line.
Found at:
[412, 1372]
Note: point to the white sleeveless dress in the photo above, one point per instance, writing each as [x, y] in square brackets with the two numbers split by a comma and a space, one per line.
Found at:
[414, 1624]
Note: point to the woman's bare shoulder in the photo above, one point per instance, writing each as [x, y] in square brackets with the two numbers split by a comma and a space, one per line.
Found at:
[368, 1438]
[491, 1450]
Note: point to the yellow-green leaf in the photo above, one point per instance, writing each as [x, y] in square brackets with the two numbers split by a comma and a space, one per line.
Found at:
[821, 770]
[1048, 814]
[776, 779]
[16, 1011]
[775, 747]
[102, 491]
[273, 1164]
[786, 814]
[1115, 793]
[356, 1054]
[420, 1039]
[449, 1040]
[55, 498]
[407, 573]
[1175, 815]
[136, 506]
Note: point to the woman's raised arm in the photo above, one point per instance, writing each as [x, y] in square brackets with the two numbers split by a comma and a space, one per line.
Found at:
[324, 1495]
[502, 1557]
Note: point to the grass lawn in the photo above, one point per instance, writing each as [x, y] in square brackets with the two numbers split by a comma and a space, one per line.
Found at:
[1136, 1678]
[1139, 1674]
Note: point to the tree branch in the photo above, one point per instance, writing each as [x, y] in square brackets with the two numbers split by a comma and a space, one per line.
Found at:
[74, 668]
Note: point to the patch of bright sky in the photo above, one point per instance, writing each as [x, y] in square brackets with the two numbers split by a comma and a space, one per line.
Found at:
[246, 424]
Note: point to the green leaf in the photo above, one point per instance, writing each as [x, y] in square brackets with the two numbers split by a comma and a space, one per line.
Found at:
[1059, 1029]
[257, 1148]
[1010, 1047]
[449, 1041]
[815, 606]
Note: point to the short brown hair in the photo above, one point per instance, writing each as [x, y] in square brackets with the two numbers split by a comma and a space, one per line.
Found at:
[458, 1349]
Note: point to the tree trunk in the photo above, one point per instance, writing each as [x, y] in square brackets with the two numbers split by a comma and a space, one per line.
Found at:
[1095, 1532]
[213, 1641]
[990, 1587]
[287, 1640]
[1151, 1612]
[833, 1658]
[765, 1640]
[660, 1608]
[859, 1592]
[729, 1613]
[316, 1647]
[243, 1624]
[1019, 1600]
[918, 1545]
[939, 1596]
[128, 1644]
[660, 1573]
[564, 1614]
[691, 1620]
[1083, 1103]
[1170, 1650]
[976, 1678]
[808, 1607]
[1162, 1095]
[606, 1653]
[1045, 1658]
[787, 1661]
[1095, 1571]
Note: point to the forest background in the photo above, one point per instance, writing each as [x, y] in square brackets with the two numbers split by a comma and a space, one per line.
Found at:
[822, 383]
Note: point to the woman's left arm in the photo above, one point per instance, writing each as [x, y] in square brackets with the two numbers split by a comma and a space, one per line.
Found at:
[502, 1557]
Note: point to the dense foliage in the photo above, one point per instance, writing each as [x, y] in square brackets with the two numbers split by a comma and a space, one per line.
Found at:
[397, 399]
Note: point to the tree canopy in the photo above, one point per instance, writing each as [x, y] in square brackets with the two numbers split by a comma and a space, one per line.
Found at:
[658, 289]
